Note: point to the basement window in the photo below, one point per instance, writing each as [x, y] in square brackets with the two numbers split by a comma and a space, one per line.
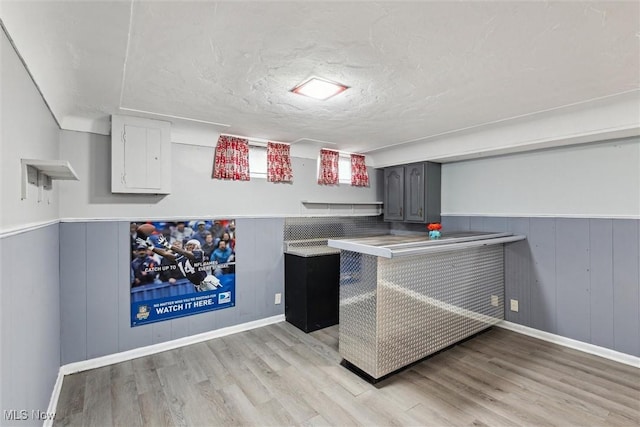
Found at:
[344, 168]
[258, 161]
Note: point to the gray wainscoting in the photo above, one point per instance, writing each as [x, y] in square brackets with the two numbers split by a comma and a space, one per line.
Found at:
[30, 322]
[95, 290]
[574, 277]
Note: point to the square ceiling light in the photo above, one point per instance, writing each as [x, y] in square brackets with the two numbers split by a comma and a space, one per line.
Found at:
[319, 88]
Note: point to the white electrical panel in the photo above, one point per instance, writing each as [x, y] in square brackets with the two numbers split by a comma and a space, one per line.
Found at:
[140, 155]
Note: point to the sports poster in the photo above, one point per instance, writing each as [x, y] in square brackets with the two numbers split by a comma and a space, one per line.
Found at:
[180, 268]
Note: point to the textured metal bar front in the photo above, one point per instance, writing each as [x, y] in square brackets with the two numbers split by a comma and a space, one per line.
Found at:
[396, 311]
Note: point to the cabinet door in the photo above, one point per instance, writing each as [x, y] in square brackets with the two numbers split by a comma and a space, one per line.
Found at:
[414, 208]
[394, 193]
[140, 155]
[432, 175]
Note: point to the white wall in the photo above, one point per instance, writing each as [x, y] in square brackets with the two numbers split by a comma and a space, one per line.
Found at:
[28, 131]
[29, 283]
[608, 118]
[591, 180]
[194, 193]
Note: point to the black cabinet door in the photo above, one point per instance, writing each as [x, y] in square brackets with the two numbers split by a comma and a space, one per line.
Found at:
[311, 291]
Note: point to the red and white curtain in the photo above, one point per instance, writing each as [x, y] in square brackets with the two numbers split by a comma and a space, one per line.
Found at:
[359, 175]
[278, 162]
[328, 173]
[231, 159]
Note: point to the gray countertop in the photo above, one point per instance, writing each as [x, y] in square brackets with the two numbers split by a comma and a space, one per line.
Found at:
[310, 251]
[391, 246]
[309, 248]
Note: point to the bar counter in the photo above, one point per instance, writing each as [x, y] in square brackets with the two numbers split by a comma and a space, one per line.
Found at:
[403, 298]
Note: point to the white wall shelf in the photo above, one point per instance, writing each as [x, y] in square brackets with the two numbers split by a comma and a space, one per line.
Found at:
[41, 172]
[314, 202]
[325, 207]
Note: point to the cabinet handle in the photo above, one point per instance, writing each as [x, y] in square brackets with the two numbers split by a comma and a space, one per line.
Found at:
[400, 210]
[420, 212]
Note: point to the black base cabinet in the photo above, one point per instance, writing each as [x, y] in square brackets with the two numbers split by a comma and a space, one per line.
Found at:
[311, 291]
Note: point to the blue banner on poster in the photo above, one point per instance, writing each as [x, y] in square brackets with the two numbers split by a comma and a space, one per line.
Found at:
[181, 268]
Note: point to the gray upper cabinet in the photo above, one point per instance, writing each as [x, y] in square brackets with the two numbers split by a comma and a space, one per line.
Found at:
[412, 193]
[393, 193]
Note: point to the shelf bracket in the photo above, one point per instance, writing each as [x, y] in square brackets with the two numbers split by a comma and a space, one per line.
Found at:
[41, 172]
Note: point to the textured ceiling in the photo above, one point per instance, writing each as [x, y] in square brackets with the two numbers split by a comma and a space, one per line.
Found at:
[416, 69]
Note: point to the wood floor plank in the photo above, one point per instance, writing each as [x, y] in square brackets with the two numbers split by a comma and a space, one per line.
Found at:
[272, 413]
[72, 393]
[287, 394]
[279, 376]
[562, 363]
[170, 379]
[231, 359]
[379, 405]
[125, 410]
[96, 410]
[357, 409]
[154, 409]
[224, 412]
[145, 374]
[326, 337]
[556, 380]
[239, 405]
[487, 414]
[318, 398]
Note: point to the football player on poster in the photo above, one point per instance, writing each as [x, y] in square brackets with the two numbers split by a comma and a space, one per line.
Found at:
[189, 260]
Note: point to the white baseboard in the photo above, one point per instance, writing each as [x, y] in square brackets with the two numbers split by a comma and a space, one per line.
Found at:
[53, 402]
[110, 359]
[616, 356]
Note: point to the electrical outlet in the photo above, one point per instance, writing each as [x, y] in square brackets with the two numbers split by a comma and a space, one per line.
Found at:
[514, 305]
[494, 300]
[278, 299]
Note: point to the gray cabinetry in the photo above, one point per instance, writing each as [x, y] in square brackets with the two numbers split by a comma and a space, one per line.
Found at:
[412, 193]
[393, 193]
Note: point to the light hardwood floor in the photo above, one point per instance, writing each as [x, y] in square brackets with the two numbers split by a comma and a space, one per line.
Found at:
[277, 375]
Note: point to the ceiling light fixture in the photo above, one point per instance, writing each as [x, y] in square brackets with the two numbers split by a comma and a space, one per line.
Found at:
[319, 88]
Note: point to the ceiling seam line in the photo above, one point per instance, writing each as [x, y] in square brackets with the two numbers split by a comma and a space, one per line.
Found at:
[126, 55]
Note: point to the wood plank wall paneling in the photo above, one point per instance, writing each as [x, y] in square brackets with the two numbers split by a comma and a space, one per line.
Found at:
[95, 290]
[517, 284]
[102, 287]
[73, 292]
[543, 271]
[601, 269]
[30, 320]
[626, 295]
[574, 277]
